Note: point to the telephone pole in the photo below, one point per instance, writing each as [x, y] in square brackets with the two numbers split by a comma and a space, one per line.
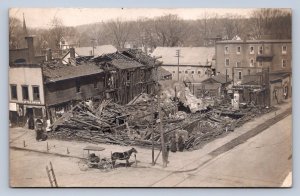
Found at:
[93, 45]
[178, 56]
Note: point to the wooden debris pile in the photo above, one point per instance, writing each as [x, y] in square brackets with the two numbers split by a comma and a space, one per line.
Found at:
[134, 123]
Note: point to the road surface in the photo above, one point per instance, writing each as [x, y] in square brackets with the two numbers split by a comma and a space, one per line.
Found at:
[263, 161]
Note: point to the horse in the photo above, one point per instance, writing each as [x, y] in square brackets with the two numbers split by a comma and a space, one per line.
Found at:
[122, 156]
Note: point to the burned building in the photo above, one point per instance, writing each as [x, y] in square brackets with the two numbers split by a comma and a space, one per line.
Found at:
[128, 73]
[66, 85]
[46, 90]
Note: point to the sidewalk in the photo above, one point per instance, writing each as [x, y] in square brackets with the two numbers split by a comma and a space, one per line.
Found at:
[178, 162]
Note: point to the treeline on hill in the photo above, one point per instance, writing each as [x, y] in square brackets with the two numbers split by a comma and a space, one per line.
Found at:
[168, 30]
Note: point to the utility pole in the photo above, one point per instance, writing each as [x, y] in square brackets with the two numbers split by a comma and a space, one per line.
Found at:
[178, 56]
[93, 45]
[162, 133]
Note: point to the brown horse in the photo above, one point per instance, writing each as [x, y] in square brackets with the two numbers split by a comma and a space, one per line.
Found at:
[122, 156]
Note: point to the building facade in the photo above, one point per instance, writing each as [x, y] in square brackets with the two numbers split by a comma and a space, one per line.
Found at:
[273, 54]
[191, 64]
[26, 94]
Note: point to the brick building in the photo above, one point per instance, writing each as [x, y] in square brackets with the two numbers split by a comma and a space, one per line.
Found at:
[273, 54]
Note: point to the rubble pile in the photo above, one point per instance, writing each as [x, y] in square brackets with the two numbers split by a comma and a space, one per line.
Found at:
[134, 123]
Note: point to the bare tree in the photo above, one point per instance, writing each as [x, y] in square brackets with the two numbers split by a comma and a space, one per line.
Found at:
[15, 33]
[56, 32]
[275, 23]
[119, 31]
[170, 30]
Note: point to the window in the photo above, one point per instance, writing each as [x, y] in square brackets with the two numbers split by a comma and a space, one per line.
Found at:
[284, 49]
[180, 72]
[240, 75]
[260, 63]
[260, 50]
[173, 72]
[238, 64]
[199, 72]
[186, 72]
[226, 50]
[251, 50]
[284, 62]
[249, 71]
[25, 93]
[95, 84]
[226, 62]
[13, 91]
[251, 62]
[128, 76]
[77, 86]
[238, 50]
[193, 72]
[36, 93]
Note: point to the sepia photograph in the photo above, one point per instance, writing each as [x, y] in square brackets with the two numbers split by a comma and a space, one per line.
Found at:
[150, 97]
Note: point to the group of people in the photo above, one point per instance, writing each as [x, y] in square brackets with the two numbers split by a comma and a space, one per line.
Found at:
[177, 145]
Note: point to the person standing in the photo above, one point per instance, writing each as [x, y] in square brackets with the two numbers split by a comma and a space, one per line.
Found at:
[180, 144]
[173, 146]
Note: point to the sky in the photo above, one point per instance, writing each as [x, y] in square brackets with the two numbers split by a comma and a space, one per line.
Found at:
[41, 17]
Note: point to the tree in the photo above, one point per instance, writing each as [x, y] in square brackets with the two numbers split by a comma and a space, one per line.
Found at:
[119, 31]
[170, 30]
[15, 33]
[56, 32]
[273, 22]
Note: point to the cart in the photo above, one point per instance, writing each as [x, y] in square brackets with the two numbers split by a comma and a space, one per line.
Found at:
[104, 164]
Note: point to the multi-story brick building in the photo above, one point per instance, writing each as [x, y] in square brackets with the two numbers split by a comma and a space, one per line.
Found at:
[273, 54]
[253, 65]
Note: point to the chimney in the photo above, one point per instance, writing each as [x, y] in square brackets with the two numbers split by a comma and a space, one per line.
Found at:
[30, 46]
[72, 52]
[49, 55]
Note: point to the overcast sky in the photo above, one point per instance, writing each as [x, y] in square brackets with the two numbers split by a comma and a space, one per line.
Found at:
[41, 17]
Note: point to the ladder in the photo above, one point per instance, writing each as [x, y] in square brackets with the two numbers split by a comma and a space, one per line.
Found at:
[51, 175]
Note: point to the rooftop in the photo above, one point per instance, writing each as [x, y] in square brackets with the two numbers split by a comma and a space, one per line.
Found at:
[119, 60]
[188, 55]
[98, 50]
[254, 41]
[59, 72]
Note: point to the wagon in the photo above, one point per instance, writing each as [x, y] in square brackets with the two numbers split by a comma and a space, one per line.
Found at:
[104, 164]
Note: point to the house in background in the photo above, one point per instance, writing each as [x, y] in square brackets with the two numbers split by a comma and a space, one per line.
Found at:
[194, 63]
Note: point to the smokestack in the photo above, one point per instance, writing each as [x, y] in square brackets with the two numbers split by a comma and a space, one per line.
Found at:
[49, 55]
[72, 53]
[30, 46]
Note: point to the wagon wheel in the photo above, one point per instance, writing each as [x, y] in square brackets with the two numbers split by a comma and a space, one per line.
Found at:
[107, 166]
[83, 165]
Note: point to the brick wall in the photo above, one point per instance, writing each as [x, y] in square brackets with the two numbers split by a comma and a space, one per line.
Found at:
[245, 58]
